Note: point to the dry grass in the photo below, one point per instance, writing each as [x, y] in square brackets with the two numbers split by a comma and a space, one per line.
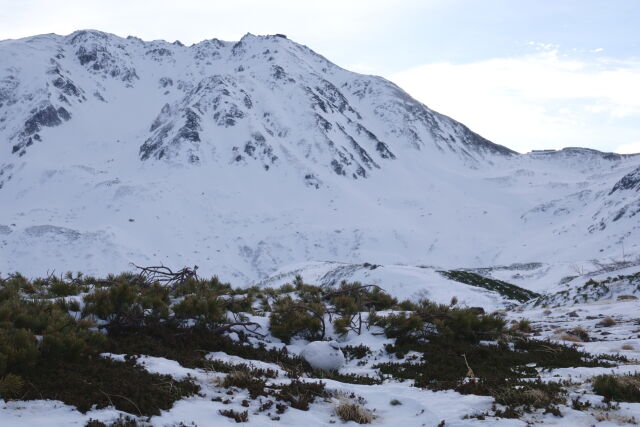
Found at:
[535, 397]
[607, 322]
[351, 411]
[239, 417]
[628, 347]
[576, 335]
[632, 381]
[580, 333]
[627, 297]
[617, 418]
[570, 337]
[538, 398]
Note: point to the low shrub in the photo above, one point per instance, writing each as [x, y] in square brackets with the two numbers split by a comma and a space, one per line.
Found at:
[246, 379]
[505, 289]
[440, 322]
[291, 319]
[11, 386]
[620, 388]
[531, 395]
[122, 421]
[355, 352]
[300, 394]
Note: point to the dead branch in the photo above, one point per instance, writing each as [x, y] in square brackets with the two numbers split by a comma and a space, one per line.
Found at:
[165, 275]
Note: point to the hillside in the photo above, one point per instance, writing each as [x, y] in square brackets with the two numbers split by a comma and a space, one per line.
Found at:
[247, 157]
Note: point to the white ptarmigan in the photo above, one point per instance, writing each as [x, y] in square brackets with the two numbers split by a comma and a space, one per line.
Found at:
[325, 355]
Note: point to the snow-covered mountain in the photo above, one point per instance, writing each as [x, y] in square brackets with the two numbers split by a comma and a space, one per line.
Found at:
[245, 157]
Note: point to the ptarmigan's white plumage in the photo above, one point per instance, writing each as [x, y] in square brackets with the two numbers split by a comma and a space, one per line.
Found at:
[325, 355]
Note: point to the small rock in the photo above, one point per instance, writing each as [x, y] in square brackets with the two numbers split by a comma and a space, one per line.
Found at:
[573, 314]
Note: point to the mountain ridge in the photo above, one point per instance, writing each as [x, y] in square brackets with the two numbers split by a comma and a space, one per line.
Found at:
[247, 156]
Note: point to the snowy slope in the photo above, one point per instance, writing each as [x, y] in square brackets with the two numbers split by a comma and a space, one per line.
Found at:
[246, 157]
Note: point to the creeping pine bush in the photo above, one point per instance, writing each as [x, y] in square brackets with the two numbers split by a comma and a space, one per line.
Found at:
[350, 300]
[290, 319]
[621, 388]
[205, 310]
[32, 331]
[440, 322]
[49, 348]
[127, 304]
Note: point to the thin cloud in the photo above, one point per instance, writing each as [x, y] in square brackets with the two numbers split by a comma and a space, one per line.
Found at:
[630, 148]
[540, 100]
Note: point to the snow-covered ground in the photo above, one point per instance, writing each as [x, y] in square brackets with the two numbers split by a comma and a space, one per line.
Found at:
[417, 407]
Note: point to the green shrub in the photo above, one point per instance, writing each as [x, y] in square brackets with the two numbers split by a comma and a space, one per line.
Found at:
[459, 323]
[115, 304]
[128, 304]
[407, 305]
[11, 386]
[205, 310]
[103, 383]
[531, 395]
[440, 322]
[350, 298]
[405, 327]
[300, 394]
[505, 289]
[290, 319]
[247, 379]
[621, 388]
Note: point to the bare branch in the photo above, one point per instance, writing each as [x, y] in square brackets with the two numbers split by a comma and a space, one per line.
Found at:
[165, 275]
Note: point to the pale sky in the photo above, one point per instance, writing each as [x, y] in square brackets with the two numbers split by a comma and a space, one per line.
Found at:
[525, 74]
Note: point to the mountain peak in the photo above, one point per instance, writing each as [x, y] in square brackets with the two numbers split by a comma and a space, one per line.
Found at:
[339, 123]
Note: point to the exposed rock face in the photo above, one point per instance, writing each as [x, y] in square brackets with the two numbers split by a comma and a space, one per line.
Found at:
[630, 181]
[44, 116]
